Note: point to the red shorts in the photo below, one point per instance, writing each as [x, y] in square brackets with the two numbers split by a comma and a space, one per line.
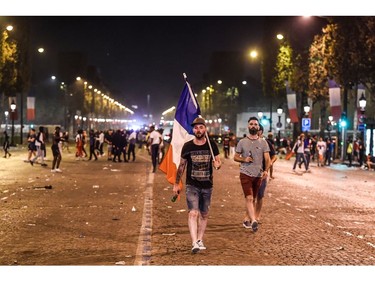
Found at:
[250, 185]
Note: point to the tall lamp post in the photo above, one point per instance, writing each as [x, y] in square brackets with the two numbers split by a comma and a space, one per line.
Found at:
[362, 104]
[329, 125]
[13, 108]
[288, 120]
[306, 109]
[279, 124]
[6, 120]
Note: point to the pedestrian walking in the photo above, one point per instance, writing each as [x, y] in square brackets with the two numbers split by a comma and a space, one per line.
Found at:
[299, 149]
[79, 144]
[31, 149]
[92, 141]
[196, 155]
[65, 143]
[250, 152]
[272, 142]
[226, 141]
[321, 147]
[6, 145]
[349, 152]
[56, 152]
[153, 143]
[232, 145]
[132, 140]
[100, 139]
[108, 139]
[39, 144]
[328, 154]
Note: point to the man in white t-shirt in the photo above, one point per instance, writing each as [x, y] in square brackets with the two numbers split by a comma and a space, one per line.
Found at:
[153, 143]
[132, 140]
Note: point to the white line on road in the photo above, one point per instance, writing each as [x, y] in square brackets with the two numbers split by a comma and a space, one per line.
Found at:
[143, 254]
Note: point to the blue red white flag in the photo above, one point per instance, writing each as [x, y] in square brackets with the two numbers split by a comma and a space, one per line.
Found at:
[292, 103]
[30, 108]
[334, 99]
[187, 110]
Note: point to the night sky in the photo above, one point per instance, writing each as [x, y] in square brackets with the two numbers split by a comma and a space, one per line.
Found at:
[139, 56]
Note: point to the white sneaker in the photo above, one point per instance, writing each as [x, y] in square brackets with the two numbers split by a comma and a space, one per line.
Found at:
[195, 248]
[58, 170]
[201, 245]
[53, 171]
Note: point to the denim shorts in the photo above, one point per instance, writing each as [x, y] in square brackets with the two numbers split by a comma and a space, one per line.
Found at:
[198, 198]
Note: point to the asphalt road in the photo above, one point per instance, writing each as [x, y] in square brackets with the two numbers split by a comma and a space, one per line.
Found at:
[120, 215]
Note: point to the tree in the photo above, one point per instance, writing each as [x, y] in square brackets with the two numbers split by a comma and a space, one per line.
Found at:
[283, 68]
[8, 62]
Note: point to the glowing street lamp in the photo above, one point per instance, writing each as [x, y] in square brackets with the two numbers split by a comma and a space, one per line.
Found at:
[253, 54]
[362, 103]
[6, 119]
[306, 108]
[13, 108]
[280, 36]
[279, 124]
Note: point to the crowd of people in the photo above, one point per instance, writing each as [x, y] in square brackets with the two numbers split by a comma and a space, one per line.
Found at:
[90, 145]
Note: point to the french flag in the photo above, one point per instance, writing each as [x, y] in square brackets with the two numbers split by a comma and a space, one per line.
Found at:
[292, 103]
[187, 110]
[334, 99]
[30, 108]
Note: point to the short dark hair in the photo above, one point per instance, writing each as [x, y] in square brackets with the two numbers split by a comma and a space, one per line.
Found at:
[253, 118]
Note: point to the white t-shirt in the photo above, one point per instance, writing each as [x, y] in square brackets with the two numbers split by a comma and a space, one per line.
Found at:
[155, 136]
[322, 147]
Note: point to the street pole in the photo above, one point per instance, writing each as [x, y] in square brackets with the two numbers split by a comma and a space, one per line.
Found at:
[6, 120]
[270, 130]
[12, 135]
[21, 118]
[13, 108]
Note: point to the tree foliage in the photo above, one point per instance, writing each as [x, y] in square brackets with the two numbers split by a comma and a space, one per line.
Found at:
[283, 68]
[8, 62]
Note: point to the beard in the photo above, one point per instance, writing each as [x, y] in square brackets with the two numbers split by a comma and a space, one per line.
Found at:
[253, 131]
[199, 135]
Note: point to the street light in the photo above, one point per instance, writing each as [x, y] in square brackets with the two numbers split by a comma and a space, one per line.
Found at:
[279, 124]
[306, 108]
[6, 119]
[84, 122]
[362, 103]
[329, 125]
[13, 108]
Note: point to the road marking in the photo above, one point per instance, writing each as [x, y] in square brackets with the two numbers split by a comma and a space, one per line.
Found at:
[143, 254]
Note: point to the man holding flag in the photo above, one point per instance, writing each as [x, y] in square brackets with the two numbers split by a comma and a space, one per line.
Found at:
[196, 155]
[190, 147]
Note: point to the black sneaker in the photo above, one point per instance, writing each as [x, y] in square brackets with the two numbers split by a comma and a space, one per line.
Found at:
[31, 163]
[254, 226]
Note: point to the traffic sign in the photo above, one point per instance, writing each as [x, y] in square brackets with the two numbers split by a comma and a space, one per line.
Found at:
[306, 124]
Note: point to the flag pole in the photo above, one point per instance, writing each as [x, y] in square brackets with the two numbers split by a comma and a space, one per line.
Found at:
[206, 134]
